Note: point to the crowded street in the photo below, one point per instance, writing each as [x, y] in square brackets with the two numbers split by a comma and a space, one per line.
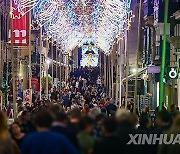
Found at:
[80, 118]
[89, 76]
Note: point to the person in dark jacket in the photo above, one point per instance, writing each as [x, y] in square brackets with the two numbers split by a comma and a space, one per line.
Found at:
[172, 148]
[54, 94]
[124, 129]
[45, 141]
[162, 124]
[109, 143]
[60, 126]
[144, 123]
[26, 125]
[162, 121]
[16, 133]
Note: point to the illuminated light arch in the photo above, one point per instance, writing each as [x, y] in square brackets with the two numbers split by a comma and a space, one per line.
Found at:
[73, 22]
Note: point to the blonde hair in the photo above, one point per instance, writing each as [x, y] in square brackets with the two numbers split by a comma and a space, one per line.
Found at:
[3, 126]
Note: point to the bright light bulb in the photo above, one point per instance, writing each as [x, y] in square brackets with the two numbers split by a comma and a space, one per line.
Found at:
[134, 70]
[48, 61]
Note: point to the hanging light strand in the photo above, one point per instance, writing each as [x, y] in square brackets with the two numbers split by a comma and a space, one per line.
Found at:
[73, 22]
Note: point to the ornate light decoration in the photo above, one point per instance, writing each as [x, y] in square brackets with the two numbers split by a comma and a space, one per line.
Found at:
[21, 7]
[73, 22]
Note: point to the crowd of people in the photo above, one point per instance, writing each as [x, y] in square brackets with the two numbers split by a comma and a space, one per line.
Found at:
[82, 119]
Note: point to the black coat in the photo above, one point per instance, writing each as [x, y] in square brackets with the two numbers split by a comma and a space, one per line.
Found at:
[68, 133]
[124, 129]
[108, 145]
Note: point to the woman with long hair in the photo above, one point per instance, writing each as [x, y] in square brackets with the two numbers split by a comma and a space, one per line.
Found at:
[16, 133]
[6, 145]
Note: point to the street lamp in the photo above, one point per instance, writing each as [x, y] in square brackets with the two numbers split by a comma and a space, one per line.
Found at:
[134, 70]
[20, 75]
[48, 61]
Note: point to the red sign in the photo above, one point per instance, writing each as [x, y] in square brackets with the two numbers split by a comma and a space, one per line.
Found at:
[20, 26]
[35, 84]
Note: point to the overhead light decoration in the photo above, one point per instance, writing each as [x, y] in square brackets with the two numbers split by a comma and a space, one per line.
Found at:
[21, 7]
[73, 22]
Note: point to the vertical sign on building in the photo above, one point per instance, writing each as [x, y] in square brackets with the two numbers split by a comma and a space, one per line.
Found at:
[20, 25]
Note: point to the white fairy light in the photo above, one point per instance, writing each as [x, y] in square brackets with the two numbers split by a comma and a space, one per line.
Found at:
[21, 7]
[73, 22]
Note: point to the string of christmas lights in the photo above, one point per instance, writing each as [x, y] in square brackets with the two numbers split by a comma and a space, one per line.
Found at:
[74, 22]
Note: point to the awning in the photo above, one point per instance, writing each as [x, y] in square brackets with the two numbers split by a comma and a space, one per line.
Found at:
[175, 41]
[140, 71]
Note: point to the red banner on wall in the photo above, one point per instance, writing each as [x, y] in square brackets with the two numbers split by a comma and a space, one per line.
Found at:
[35, 84]
[20, 26]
